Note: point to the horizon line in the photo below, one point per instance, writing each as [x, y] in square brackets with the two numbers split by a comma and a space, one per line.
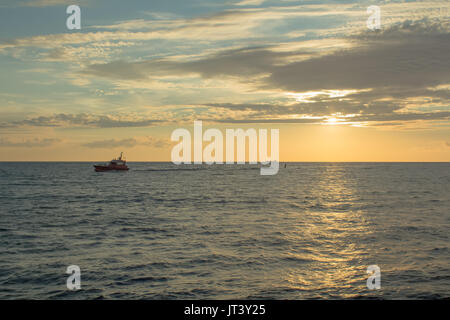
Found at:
[246, 163]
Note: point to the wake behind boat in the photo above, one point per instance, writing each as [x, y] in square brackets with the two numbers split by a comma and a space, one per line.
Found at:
[115, 164]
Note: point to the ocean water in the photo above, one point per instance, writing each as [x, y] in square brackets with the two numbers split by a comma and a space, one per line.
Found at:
[162, 231]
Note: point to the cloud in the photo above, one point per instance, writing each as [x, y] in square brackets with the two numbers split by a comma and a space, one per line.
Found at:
[156, 142]
[29, 143]
[402, 69]
[347, 111]
[234, 24]
[128, 143]
[391, 75]
[249, 3]
[412, 55]
[354, 119]
[240, 25]
[112, 143]
[237, 62]
[49, 3]
[226, 25]
[82, 120]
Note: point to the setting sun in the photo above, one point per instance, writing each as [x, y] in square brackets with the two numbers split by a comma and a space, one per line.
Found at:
[332, 121]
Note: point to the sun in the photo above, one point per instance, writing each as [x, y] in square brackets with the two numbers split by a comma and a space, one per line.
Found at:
[332, 121]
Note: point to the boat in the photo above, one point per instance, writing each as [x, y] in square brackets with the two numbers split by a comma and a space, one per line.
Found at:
[119, 164]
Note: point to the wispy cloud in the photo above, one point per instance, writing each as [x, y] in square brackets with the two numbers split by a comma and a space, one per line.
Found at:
[111, 143]
[232, 24]
[50, 3]
[249, 3]
[128, 143]
[82, 120]
[28, 143]
[355, 119]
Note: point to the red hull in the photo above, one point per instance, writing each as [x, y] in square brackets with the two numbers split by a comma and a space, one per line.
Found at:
[110, 168]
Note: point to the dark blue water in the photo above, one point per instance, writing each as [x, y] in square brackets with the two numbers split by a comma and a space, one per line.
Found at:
[162, 231]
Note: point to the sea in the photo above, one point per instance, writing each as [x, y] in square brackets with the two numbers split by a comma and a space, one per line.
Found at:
[165, 231]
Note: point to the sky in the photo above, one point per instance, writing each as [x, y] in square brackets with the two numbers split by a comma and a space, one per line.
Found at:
[137, 70]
